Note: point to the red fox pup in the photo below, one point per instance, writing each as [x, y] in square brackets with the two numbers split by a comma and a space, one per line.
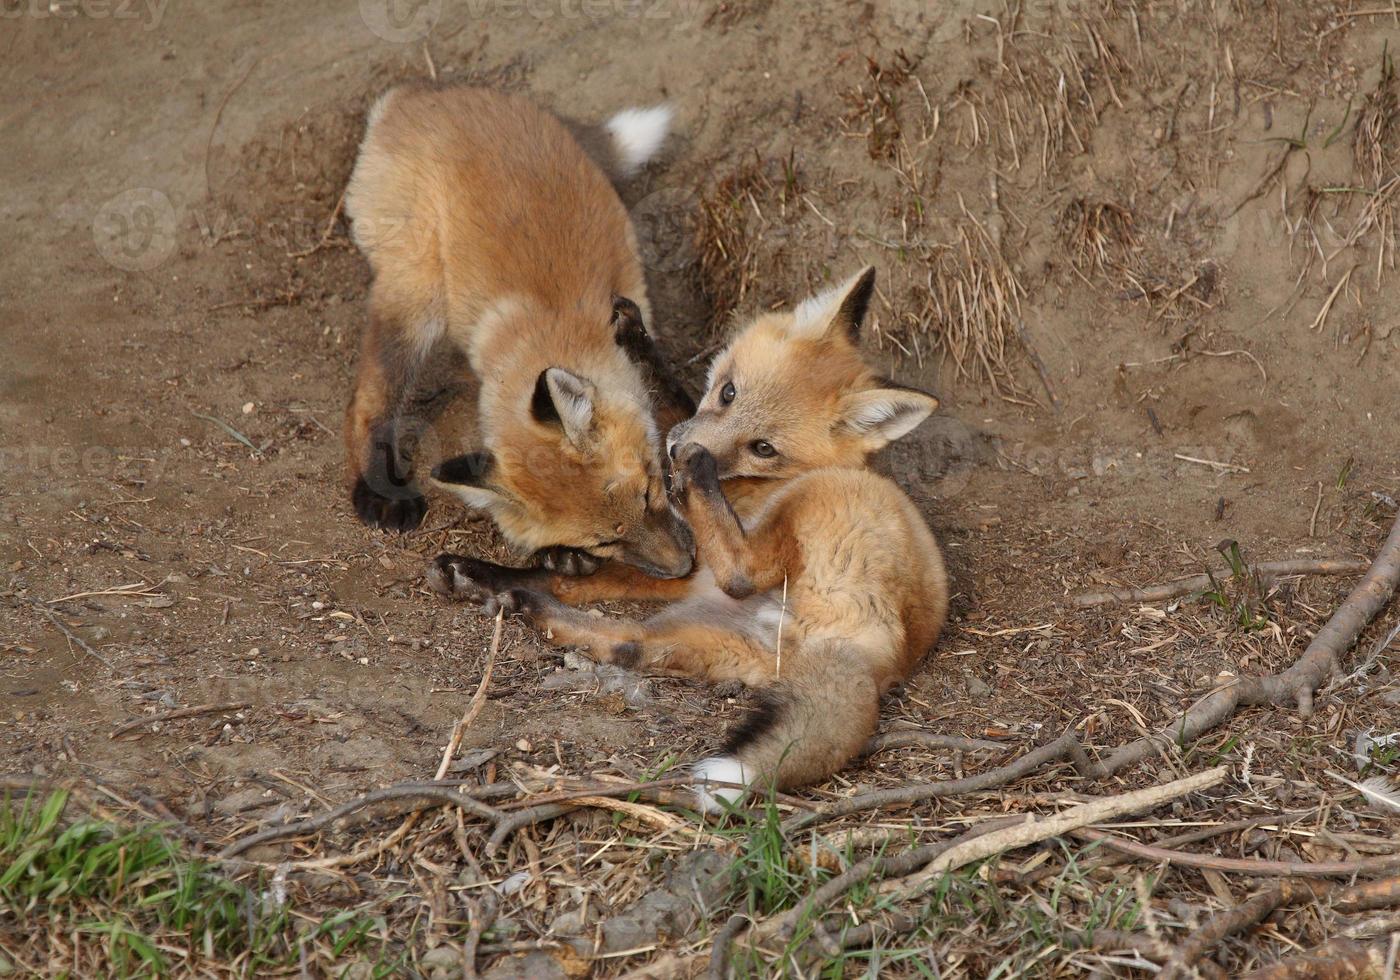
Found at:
[498, 244]
[771, 475]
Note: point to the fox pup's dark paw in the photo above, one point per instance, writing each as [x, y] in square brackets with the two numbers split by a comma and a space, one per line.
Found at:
[695, 469]
[465, 579]
[523, 602]
[566, 561]
[398, 513]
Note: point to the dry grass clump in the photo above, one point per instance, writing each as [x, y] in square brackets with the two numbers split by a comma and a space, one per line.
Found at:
[873, 105]
[735, 214]
[967, 300]
[1375, 139]
[1057, 87]
[1099, 235]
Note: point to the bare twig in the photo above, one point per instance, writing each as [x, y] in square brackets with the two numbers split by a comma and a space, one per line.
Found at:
[474, 706]
[1066, 747]
[1335, 960]
[932, 740]
[1199, 583]
[69, 634]
[428, 794]
[1033, 831]
[1184, 960]
[1381, 894]
[1249, 866]
[190, 712]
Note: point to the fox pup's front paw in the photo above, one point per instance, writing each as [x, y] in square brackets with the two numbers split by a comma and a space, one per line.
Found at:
[465, 579]
[567, 561]
[398, 513]
[520, 602]
[695, 470]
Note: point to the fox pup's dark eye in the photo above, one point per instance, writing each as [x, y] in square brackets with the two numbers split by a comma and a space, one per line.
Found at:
[727, 393]
[764, 449]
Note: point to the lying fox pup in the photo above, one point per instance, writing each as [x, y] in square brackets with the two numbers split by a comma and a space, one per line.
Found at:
[494, 238]
[771, 475]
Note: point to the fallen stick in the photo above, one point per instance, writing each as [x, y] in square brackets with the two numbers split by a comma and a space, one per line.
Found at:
[1066, 747]
[1190, 837]
[69, 634]
[1034, 831]
[428, 794]
[1107, 940]
[1249, 866]
[932, 740]
[1186, 958]
[190, 712]
[483, 916]
[1200, 583]
[474, 706]
[1335, 960]
[1381, 894]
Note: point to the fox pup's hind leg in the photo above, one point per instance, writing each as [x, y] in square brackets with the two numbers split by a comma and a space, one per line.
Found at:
[391, 404]
[681, 647]
[473, 580]
[743, 562]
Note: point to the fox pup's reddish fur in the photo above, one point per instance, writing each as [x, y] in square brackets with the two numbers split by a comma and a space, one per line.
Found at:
[771, 474]
[494, 239]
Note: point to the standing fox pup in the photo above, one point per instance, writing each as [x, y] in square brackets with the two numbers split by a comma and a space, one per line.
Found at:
[771, 474]
[492, 234]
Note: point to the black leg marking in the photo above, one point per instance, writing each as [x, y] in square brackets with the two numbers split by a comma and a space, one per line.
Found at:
[472, 580]
[385, 495]
[627, 655]
[631, 335]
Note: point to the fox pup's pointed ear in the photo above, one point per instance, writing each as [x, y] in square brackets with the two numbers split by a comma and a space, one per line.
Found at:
[565, 400]
[469, 478]
[881, 415]
[837, 312]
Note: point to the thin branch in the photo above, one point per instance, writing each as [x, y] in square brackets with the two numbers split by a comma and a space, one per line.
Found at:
[1249, 866]
[1199, 583]
[190, 712]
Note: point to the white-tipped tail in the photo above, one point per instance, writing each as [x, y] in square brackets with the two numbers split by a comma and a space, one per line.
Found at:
[638, 133]
[721, 769]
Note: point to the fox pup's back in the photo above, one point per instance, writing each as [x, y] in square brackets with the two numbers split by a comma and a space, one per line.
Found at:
[464, 197]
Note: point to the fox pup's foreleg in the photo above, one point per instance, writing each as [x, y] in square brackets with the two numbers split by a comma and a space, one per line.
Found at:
[672, 402]
[391, 404]
[471, 579]
[743, 562]
[678, 646]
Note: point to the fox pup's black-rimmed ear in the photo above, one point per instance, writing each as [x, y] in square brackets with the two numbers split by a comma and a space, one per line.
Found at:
[837, 312]
[879, 416]
[470, 478]
[566, 400]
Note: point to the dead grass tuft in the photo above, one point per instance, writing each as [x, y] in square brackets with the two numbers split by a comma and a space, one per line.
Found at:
[968, 303]
[735, 215]
[1099, 235]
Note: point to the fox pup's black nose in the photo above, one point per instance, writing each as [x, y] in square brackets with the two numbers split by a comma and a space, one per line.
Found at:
[672, 449]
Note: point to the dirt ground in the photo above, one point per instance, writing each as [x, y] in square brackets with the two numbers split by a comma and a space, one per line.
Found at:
[1174, 216]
